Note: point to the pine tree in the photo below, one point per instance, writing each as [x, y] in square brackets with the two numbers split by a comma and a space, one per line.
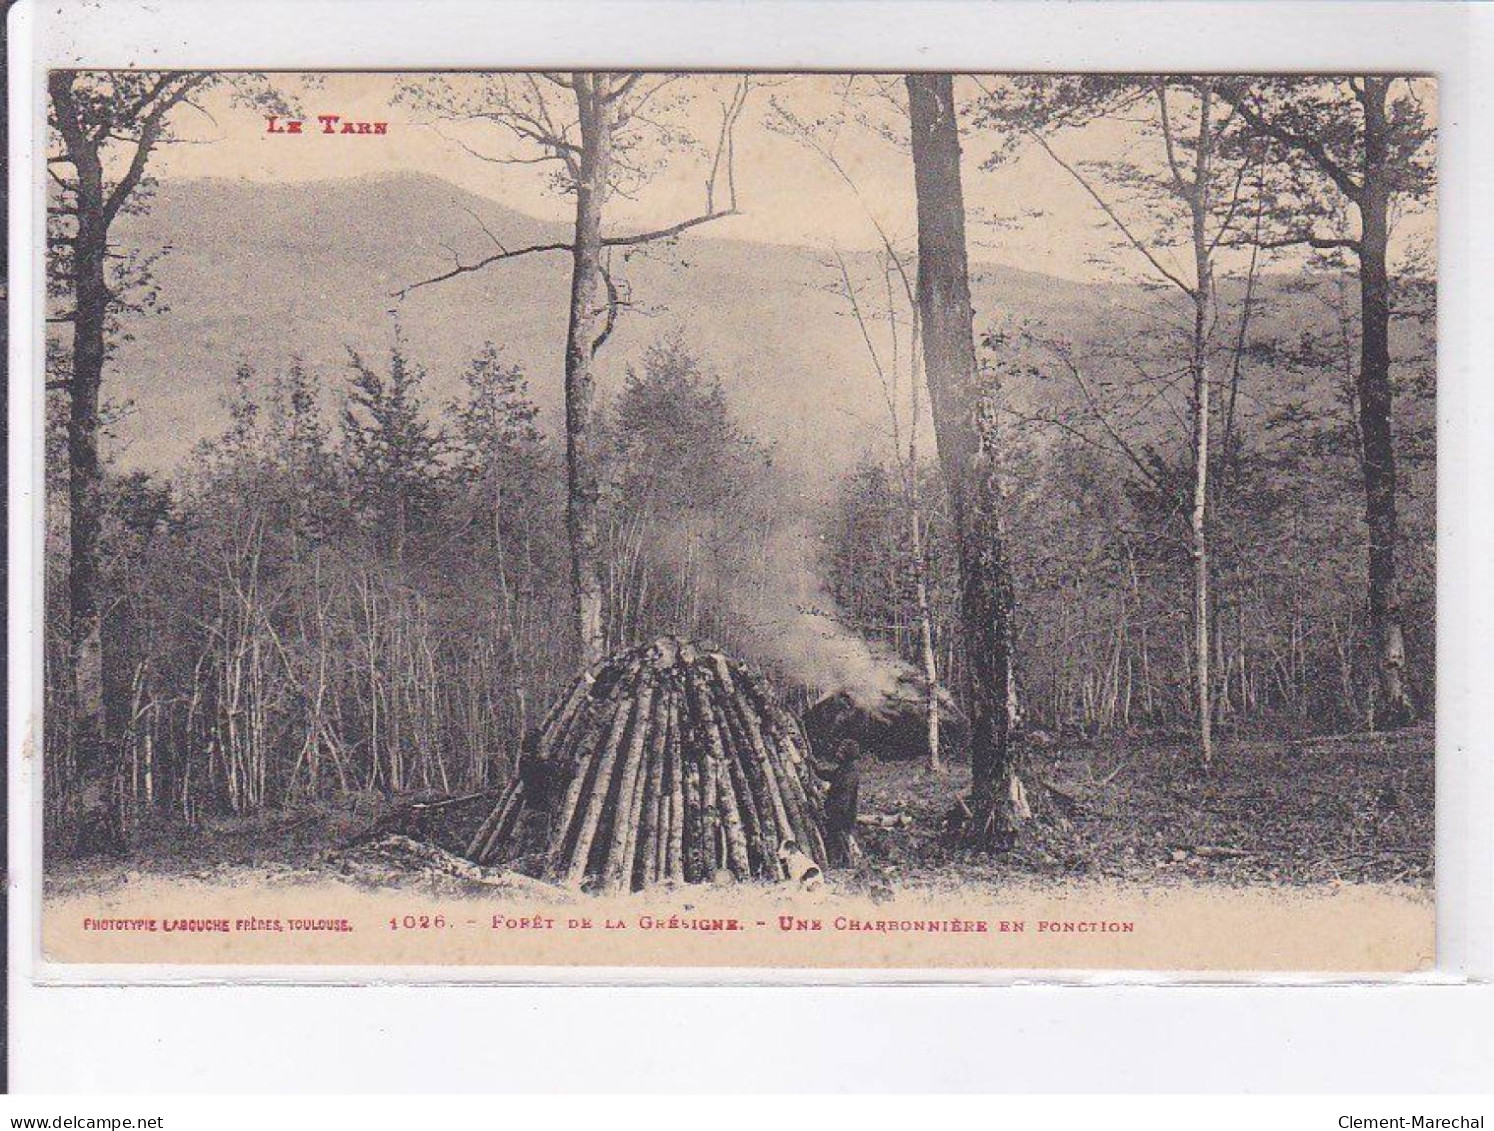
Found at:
[393, 452]
[300, 450]
[498, 454]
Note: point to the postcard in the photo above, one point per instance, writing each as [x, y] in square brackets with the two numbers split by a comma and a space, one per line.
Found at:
[771, 521]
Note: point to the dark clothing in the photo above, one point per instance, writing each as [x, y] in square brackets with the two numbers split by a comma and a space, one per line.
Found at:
[842, 804]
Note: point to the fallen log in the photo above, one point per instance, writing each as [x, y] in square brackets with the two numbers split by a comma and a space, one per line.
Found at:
[408, 855]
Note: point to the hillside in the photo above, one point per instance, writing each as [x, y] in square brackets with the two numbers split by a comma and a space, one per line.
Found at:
[260, 273]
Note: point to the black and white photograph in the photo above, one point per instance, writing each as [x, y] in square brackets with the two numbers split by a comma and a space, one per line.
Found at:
[760, 518]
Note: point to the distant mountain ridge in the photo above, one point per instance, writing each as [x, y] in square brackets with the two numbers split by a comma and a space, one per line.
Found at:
[264, 273]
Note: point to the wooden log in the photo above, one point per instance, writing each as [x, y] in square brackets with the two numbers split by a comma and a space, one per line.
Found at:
[674, 849]
[564, 715]
[802, 794]
[636, 847]
[775, 818]
[479, 839]
[802, 818]
[791, 742]
[603, 718]
[623, 862]
[503, 834]
[666, 782]
[800, 801]
[711, 758]
[645, 852]
[505, 815]
[654, 833]
[884, 820]
[760, 694]
[737, 859]
[802, 821]
[744, 838]
[758, 823]
[596, 794]
[783, 740]
[757, 827]
[614, 869]
[778, 722]
[710, 818]
[589, 727]
[736, 749]
[693, 859]
[665, 652]
[792, 745]
[772, 770]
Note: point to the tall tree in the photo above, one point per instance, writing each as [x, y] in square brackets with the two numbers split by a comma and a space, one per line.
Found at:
[1186, 199]
[964, 429]
[1365, 139]
[105, 127]
[591, 320]
[593, 141]
[1197, 193]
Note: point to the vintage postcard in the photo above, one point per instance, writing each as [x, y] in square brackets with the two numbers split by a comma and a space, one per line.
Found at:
[912, 522]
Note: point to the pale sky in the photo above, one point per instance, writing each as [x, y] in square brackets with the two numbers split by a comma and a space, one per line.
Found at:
[787, 193]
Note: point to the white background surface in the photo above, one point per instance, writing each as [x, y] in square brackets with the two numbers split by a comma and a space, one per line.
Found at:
[1033, 1037]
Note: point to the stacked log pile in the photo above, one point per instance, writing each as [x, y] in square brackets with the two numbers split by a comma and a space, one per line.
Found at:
[668, 762]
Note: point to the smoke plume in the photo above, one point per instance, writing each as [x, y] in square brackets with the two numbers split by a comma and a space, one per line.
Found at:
[793, 624]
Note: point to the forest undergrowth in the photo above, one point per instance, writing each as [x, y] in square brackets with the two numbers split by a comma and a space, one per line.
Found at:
[1350, 809]
[1129, 810]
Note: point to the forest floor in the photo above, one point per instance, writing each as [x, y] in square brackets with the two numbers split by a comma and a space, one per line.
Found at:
[1349, 809]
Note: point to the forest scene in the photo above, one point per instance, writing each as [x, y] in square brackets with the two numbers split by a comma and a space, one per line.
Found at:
[630, 479]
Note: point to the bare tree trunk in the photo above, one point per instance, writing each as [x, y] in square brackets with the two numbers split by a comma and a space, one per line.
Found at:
[90, 295]
[1393, 705]
[1198, 519]
[588, 319]
[85, 501]
[929, 661]
[587, 153]
[964, 430]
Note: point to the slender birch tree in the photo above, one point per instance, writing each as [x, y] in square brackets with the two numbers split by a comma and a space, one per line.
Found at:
[1188, 200]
